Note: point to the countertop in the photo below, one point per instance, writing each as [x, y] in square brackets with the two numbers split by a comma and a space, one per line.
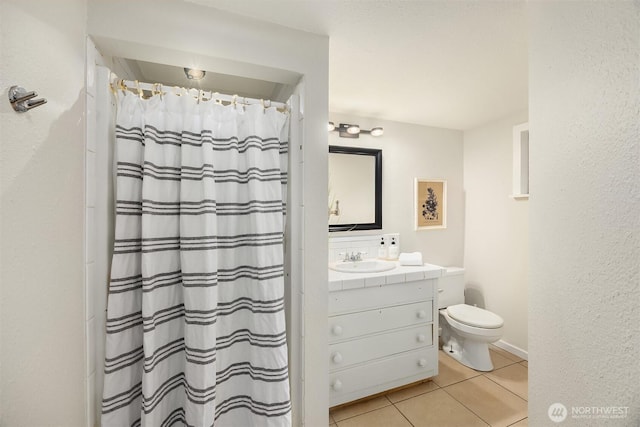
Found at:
[339, 281]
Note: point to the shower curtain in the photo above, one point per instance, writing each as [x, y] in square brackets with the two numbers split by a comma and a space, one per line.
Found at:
[195, 331]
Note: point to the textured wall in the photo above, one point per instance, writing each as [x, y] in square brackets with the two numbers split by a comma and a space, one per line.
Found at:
[408, 152]
[42, 157]
[584, 209]
[496, 239]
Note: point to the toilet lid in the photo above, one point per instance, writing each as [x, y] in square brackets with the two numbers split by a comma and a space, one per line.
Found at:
[474, 316]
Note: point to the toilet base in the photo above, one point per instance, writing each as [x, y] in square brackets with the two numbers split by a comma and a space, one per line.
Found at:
[475, 355]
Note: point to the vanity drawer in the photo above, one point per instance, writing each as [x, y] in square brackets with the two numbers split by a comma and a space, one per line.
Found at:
[364, 380]
[374, 297]
[377, 346]
[348, 326]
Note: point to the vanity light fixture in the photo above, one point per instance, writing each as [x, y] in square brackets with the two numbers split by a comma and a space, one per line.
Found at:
[377, 131]
[353, 131]
[194, 74]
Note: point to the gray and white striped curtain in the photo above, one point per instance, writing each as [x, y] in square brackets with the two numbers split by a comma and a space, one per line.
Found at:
[195, 320]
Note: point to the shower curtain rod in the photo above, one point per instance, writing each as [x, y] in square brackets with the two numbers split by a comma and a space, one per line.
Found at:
[136, 86]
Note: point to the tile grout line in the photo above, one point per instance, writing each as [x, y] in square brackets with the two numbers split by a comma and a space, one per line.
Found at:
[458, 382]
[501, 350]
[419, 394]
[526, 400]
[519, 421]
[469, 409]
[484, 375]
[478, 373]
[390, 403]
[511, 362]
[402, 413]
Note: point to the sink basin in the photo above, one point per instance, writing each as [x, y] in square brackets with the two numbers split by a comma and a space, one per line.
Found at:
[364, 266]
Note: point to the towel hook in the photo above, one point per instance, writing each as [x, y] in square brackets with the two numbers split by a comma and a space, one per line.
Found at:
[22, 101]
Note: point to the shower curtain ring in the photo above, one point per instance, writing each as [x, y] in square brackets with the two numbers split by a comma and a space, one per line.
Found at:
[140, 93]
[159, 89]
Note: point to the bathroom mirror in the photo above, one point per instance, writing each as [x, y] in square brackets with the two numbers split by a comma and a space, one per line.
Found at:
[355, 188]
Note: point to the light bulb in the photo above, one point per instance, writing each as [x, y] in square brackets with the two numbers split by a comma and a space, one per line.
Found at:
[193, 74]
[353, 129]
[377, 131]
[331, 126]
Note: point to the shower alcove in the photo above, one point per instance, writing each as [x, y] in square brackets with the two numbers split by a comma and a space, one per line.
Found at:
[244, 59]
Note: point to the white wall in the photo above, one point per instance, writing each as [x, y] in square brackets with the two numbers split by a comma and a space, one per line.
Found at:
[409, 152]
[584, 208]
[496, 242]
[180, 33]
[42, 315]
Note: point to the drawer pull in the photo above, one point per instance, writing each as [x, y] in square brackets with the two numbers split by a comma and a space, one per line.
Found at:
[337, 358]
[421, 314]
[422, 363]
[337, 385]
[421, 338]
[337, 330]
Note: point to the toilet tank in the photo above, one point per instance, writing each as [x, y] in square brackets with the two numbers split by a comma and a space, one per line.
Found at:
[451, 287]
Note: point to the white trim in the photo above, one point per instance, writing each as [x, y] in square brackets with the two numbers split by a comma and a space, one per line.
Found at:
[520, 160]
[341, 239]
[512, 349]
[294, 298]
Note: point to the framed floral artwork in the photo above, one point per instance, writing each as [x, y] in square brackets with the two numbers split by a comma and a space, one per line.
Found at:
[430, 198]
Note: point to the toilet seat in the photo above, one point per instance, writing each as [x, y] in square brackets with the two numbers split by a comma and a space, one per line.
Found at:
[474, 316]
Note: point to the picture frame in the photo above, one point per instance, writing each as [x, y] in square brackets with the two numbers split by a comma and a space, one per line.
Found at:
[430, 204]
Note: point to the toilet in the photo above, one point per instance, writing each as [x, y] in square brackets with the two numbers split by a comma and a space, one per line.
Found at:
[466, 331]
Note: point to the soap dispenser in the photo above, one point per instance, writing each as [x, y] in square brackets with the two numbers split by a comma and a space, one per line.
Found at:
[382, 249]
[393, 249]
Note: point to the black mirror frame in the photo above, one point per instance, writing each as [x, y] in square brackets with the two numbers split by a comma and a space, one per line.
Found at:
[377, 154]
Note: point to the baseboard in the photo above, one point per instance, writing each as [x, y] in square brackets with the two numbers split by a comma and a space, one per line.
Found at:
[512, 349]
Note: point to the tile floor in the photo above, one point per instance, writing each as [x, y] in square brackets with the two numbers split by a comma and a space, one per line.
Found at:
[457, 397]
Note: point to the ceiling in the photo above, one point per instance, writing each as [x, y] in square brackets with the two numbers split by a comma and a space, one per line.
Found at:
[451, 64]
[170, 75]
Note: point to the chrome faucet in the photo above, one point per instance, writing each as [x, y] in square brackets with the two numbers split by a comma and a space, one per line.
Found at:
[353, 257]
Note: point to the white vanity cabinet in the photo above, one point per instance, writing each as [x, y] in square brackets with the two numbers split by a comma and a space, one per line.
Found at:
[382, 336]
